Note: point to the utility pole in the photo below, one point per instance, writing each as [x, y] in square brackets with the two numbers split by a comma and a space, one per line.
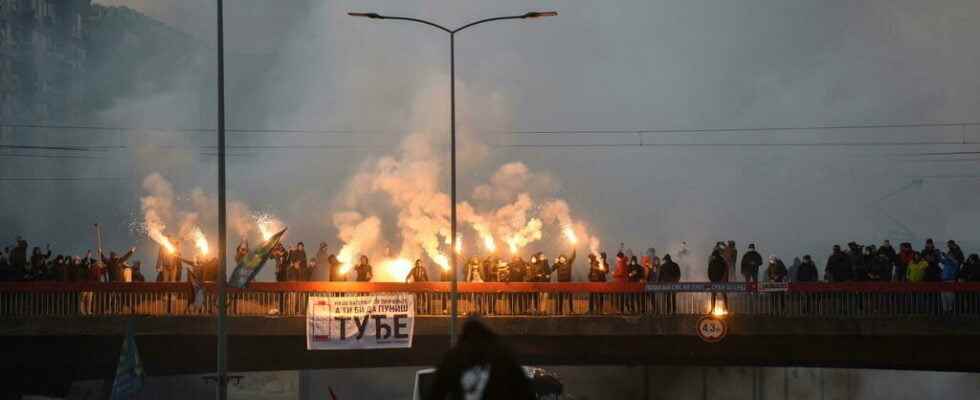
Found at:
[222, 353]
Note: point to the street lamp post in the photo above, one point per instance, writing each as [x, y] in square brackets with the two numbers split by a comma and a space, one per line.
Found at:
[222, 334]
[452, 105]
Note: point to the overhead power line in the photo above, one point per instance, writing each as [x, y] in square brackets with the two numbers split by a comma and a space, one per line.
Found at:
[55, 178]
[508, 132]
[817, 144]
[60, 148]
[737, 130]
[188, 130]
[60, 157]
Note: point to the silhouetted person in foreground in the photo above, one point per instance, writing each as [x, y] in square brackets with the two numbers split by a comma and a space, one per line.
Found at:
[480, 367]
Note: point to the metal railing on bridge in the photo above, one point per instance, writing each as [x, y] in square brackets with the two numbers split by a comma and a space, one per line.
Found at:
[822, 300]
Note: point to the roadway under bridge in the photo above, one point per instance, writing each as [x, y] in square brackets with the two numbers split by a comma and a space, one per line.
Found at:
[59, 350]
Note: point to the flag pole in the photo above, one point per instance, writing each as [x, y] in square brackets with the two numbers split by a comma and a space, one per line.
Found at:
[98, 240]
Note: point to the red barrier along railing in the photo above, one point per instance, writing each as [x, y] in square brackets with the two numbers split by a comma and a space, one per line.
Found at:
[884, 287]
[503, 287]
[336, 287]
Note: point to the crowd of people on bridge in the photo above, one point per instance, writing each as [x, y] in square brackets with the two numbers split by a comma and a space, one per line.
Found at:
[17, 264]
[855, 263]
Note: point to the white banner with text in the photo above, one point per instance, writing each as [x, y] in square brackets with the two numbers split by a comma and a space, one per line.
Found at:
[360, 321]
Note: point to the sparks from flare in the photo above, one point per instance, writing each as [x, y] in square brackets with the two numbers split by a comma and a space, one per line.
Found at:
[267, 225]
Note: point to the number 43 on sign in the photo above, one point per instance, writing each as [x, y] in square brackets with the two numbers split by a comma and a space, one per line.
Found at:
[711, 329]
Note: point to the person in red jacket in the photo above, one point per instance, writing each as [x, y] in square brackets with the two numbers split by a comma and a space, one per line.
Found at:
[620, 274]
[905, 257]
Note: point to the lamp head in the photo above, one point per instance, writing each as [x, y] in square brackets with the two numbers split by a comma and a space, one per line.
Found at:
[540, 14]
[366, 15]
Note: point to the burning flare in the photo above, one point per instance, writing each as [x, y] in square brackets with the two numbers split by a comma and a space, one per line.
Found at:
[512, 244]
[394, 270]
[441, 260]
[162, 240]
[489, 244]
[200, 241]
[570, 235]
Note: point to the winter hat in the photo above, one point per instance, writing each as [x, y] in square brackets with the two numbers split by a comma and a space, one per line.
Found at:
[751, 246]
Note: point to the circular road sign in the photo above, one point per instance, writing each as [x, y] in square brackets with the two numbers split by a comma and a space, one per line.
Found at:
[711, 329]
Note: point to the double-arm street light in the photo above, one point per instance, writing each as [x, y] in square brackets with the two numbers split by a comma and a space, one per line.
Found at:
[452, 105]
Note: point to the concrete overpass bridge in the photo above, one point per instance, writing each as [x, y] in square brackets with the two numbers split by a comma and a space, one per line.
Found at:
[56, 333]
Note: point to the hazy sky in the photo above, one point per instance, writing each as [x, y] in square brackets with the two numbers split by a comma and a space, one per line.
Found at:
[598, 66]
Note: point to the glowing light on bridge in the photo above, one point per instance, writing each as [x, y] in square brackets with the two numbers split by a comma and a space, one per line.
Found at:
[719, 311]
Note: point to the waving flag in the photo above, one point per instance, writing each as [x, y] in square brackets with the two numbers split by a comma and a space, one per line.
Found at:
[129, 373]
[197, 289]
[253, 262]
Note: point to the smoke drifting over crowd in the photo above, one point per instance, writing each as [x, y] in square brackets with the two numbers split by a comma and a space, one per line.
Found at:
[403, 191]
[378, 180]
[394, 209]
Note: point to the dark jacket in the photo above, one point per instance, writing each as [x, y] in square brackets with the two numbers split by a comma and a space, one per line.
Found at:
[298, 267]
[956, 253]
[669, 271]
[807, 272]
[18, 256]
[38, 260]
[518, 271]
[634, 272]
[417, 274]
[751, 262]
[480, 349]
[281, 256]
[776, 272]
[970, 272]
[717, 271]
[933, 273]
[564, 269]
[115, 265]
[881, 268]
[364, 272]
[597, 271]
[838, 267]
[541, 271]
[489, 270]
[889, 253]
